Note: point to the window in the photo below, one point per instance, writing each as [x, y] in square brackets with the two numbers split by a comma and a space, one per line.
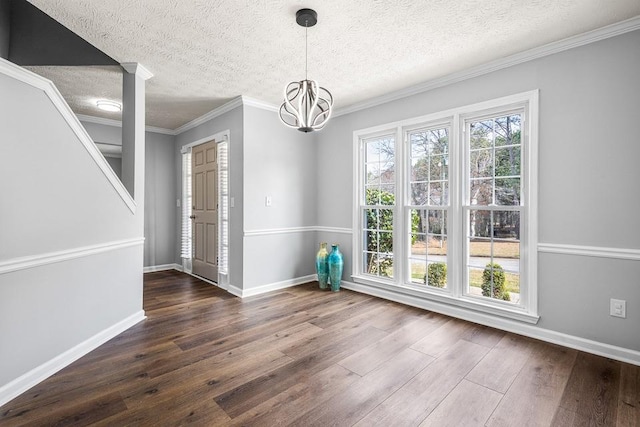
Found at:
[378, 208]
[428, 202]
[493, 206]
[446, 206]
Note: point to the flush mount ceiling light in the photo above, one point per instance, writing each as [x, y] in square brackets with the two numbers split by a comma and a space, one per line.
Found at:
[306, 106]
[108, 105]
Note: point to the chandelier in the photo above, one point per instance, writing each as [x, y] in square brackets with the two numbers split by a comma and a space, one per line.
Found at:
[307, 105]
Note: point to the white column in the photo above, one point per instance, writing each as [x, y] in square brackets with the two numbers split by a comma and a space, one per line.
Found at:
[133, 125]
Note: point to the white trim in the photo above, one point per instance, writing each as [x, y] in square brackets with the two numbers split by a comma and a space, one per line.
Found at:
[110, 150]
[258, 290]
[234, 103]
[23, 383]
[118, 123]
[162, 267]
[32, 261]
[63, 108]
[137, 69]
[592, 251]
[257, 103]
[578, 343]
[437, 296]
[233, 290]
[218, 137]
[337, 230]
[499, 64]
[287, 230]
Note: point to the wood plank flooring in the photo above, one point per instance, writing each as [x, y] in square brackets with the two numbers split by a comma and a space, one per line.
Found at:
[306, 357]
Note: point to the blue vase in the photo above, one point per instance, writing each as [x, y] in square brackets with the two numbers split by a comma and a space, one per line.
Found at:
[336, 262]
[322, 266]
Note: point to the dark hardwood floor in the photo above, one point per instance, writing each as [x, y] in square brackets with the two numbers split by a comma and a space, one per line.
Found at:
[303, 357]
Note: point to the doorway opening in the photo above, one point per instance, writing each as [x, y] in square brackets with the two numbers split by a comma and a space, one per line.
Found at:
[205, 209]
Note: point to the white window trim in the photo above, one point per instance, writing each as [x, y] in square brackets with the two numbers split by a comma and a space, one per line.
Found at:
[527, 310]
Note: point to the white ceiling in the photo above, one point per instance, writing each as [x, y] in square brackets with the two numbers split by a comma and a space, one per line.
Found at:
[204, 53]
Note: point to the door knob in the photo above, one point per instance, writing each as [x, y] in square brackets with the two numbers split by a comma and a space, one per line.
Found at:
[192, 217]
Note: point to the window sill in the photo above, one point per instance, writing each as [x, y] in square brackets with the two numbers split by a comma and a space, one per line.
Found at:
[468, 308]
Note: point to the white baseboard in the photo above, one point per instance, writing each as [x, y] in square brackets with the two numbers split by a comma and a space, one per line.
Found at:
[520, 328]
[162, 267]
[234, 291]
[243, 293]
[23, 383]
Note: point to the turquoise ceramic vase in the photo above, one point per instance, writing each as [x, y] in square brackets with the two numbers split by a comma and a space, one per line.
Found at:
[322, 266]
[336, 262]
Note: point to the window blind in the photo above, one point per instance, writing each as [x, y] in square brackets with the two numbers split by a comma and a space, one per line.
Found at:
[186, 250]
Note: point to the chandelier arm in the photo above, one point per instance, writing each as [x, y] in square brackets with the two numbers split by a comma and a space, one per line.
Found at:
[282, 119]
[292, 110]
[313, 85]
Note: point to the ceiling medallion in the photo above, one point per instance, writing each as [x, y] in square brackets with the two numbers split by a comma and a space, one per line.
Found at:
[306, 106]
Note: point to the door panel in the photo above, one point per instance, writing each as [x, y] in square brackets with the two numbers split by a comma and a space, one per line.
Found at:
[198, 230]
[205, 210]
[198, 191]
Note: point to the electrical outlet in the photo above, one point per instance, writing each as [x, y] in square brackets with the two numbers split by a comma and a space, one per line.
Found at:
[618, 308]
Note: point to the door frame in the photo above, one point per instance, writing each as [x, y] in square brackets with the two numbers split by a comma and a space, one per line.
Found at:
[220, 137]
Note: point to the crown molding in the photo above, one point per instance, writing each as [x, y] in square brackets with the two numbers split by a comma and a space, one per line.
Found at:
[509, 61]
[253, 102]
[118, 123]
[234, 103]
[137, 69]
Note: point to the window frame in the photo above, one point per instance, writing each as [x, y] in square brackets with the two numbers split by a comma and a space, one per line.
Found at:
[458, 177]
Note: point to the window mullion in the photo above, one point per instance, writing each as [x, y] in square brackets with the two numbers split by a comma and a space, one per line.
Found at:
[398, 218]
[455, 232]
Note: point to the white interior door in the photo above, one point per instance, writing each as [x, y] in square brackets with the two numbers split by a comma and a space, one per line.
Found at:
[204, 213]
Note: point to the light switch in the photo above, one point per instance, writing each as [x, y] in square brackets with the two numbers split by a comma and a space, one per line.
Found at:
[267, 201]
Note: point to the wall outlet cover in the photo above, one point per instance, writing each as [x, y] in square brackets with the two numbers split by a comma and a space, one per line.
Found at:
[618, 308]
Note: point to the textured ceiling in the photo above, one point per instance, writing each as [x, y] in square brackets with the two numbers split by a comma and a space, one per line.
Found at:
[204, 53]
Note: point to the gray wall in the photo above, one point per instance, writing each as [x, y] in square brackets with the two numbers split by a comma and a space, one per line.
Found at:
[56, 198]
[231, 121]
[160, 196]
[116, 165]
[266, 158]
[160, 200]
[5, 29]
[279, 162]
[588, 170]
[60, 202]
[38, 39]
